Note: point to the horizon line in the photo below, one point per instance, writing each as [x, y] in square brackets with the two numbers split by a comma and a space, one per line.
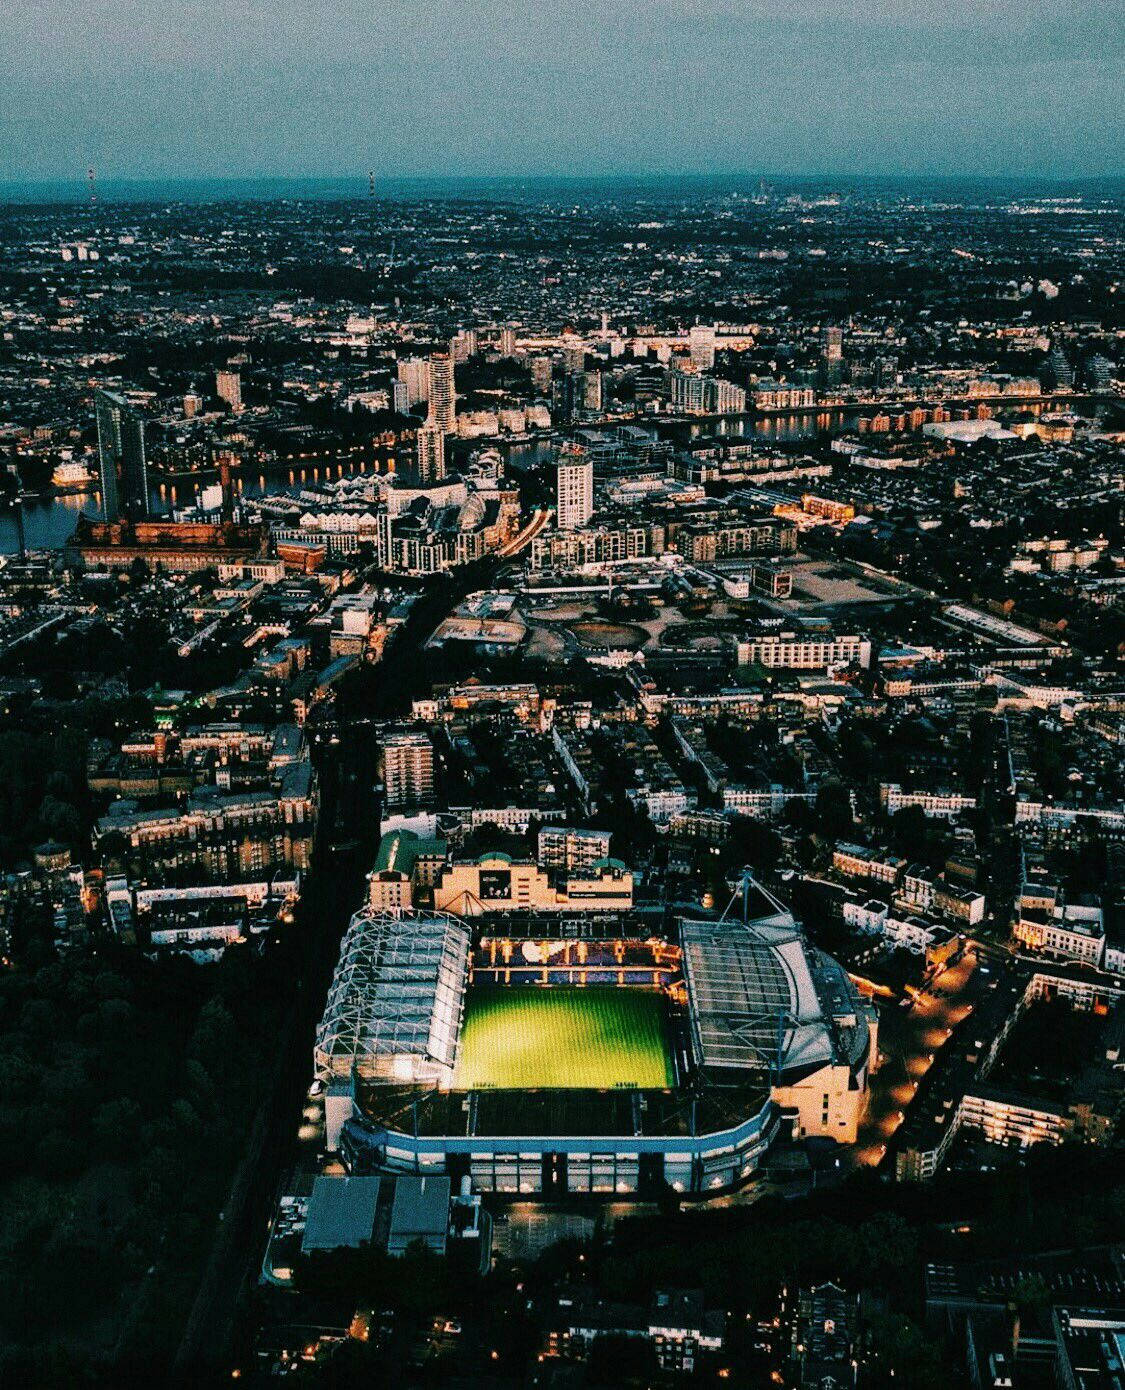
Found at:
[361, 178]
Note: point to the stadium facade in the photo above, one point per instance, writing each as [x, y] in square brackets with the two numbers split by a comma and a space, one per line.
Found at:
[761, 1036]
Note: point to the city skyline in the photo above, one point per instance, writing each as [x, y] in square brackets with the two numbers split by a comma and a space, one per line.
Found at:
[883, 89]
[562, 817]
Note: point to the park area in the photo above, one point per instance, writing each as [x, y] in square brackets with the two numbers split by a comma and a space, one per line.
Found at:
[534, 1038]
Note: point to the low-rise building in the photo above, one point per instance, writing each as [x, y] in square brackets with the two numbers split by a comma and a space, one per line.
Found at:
[1047, 923]
[677, 1326]
[943, 805]
[569, 847]
[497, 883]
[803, 651]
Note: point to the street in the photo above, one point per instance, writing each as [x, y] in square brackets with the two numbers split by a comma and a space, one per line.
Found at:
[909, 1039]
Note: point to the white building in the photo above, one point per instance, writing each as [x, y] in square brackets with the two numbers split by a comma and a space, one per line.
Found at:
[660, 804]
[1066, 931]
[568, 847]
[408, 770]
[724, 397]
[942, 805]
[803, 651]
[760, 804]
[857, 861]
[414, 376]
[575, 490]
[701, 341]
[866, 917]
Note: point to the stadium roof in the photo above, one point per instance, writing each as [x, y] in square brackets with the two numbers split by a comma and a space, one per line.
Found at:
[395, 1005]
[762, 999]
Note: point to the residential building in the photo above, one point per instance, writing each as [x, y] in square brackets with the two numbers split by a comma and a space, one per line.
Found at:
[228, 388]
[443, 393]
[575, 490]
[408, 770]
[568, 847]
[430, 454]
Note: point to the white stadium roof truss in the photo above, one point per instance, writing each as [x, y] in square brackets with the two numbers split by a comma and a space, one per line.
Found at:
[397, 997]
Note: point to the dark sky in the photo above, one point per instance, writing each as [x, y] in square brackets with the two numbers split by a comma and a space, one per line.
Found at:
[310, 87]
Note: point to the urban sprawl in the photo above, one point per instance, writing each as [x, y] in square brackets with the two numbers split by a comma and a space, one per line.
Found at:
[563, 817]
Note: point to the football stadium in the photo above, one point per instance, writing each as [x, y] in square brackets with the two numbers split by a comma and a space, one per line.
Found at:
[546, 1055]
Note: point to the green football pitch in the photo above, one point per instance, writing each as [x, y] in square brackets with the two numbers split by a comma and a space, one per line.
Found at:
[526, 1038]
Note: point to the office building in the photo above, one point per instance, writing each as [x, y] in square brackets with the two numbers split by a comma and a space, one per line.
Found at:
[121, 458]
[499, 883]
[575, 490]
[443, 394]
[804, 652]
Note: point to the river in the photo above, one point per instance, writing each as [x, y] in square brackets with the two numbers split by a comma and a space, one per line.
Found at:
[49, 522]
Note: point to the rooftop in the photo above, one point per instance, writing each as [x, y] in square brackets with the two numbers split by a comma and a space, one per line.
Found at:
[341, 1213]
[763, 999]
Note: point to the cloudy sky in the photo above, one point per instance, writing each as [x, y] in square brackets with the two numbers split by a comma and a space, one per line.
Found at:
[308, 87]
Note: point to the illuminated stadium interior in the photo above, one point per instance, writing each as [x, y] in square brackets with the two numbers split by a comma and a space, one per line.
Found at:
[565, 1036]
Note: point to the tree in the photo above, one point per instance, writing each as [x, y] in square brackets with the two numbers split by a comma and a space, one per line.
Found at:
[115, 1127]
[833, 810]
[753, 843]
[901, 1354]
[1031, 1293]
[619, 1360]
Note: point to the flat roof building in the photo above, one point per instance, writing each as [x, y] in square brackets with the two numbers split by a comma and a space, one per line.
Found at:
[420, 1213]
[341, 1214]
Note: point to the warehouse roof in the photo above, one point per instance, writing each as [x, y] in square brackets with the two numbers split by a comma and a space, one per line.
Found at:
[341, 1214]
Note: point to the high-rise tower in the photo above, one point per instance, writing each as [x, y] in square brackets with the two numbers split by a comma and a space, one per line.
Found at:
[443, 394]
[832, 355]
[121, 457]
[431, 454]
[575, 497]
[228, 388]
[408, 770]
